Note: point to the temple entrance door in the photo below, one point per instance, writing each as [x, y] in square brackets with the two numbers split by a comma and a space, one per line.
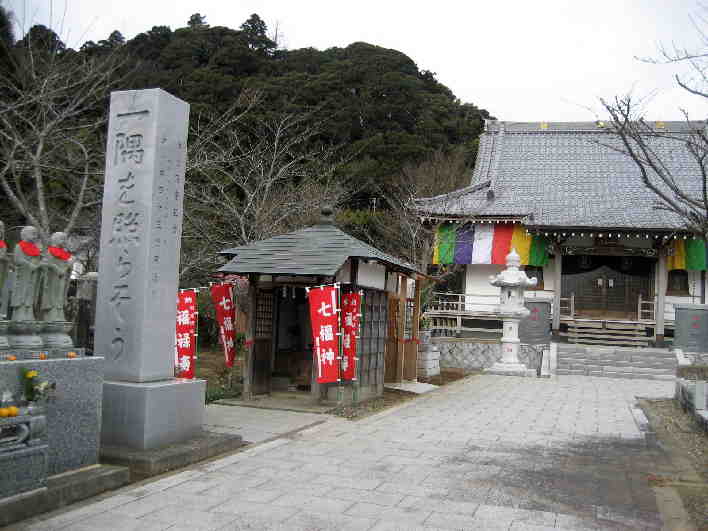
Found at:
[608, 286]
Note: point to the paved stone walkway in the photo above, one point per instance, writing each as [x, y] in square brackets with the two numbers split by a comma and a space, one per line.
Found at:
[256, 425]
[488, 452]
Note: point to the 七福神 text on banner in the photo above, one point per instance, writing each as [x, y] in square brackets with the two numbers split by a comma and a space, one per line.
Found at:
[222, 297]
[324, 316]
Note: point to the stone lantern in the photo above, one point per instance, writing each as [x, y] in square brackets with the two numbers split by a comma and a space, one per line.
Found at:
[512, 282]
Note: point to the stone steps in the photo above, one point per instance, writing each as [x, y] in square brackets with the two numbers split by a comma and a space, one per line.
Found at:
[654, 364]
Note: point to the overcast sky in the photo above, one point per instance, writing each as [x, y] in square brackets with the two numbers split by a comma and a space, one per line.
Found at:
[547, 60]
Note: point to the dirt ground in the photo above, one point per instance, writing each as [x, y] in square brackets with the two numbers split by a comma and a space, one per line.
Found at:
[211, 367]
[687, 444]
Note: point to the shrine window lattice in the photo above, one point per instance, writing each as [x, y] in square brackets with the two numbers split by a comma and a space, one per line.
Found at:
[264, 315]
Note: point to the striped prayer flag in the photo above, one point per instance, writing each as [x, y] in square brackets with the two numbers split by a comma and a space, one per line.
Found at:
[446, 240]
[521, 241]
[463, 245]
[501, 245]
[538, 255]
[689, 255]
[487, 244]
[482, 246]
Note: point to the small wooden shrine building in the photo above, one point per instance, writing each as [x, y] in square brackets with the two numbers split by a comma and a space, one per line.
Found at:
[575, 208]
[280, 352]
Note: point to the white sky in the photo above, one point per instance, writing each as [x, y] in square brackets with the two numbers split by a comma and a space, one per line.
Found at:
[542, 60]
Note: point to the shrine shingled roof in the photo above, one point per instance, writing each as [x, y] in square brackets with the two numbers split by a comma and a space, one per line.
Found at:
[319, 250]
[566, 174]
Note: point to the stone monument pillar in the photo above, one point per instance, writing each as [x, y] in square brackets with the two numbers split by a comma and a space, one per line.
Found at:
[144, 406]
[512, 282]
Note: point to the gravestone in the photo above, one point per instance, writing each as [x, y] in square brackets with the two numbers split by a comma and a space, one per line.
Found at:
[144, 406]
[536, 328]
[691, 327]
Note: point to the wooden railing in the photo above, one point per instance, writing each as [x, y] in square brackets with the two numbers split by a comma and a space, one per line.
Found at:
[646, 309]
[446, 303]
[567, 306]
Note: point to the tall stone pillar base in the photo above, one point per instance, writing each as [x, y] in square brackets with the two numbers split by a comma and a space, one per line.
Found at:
[510, 369]
[145, 416]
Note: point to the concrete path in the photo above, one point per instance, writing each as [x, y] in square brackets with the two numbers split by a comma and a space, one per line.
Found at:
[488, 452]
[257, 425]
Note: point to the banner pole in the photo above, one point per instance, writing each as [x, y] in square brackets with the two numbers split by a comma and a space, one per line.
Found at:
[340, 397]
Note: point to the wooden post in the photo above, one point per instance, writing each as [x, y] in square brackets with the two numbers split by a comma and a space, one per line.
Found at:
[250, 336]
[419, 283]
[402, 295]
[415, 325]
[660, 283]
[557, 275]
[353, 279]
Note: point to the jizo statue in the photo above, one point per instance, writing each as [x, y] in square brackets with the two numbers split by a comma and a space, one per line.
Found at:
[28, 260]
[56, 270]
[4, 258]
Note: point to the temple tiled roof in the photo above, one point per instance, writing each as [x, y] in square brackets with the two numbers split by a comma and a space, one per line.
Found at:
[320, 250]
[566, 174]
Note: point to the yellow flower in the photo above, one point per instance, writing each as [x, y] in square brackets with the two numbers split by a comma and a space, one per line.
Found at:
[31, 374]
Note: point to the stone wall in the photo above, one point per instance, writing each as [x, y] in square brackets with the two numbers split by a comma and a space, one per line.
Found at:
[473, 355]
[74, 414]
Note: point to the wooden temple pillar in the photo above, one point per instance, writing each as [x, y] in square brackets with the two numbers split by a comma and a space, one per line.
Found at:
[557, 279]
[249, 356]
[660, 286]
[401, 326]
[353, 281]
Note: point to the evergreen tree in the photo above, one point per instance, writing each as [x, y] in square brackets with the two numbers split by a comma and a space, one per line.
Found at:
[197, 21]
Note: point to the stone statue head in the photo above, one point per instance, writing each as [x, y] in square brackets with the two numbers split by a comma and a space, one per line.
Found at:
[513, 260]
[58, 239]
[29, 234]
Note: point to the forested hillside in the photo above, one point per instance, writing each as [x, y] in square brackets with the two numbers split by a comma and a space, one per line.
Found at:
[363, 116]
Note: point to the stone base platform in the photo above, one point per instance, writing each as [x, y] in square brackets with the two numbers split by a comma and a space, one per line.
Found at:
[151, 415]
[61, 490]
[146, 463]
[41, 354]
[510, 369]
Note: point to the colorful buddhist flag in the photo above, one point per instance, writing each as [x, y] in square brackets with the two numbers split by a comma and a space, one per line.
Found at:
[487, 243]
[689, 255]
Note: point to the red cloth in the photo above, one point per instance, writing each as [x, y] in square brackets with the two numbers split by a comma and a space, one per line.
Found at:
[186, 333]
[324, 319]
[58, 252]
[501, 242]
[223, 301]
[3, 245]
[351, 310]
[29, 248]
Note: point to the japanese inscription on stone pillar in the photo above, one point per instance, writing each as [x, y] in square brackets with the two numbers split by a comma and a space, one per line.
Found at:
[140, 235]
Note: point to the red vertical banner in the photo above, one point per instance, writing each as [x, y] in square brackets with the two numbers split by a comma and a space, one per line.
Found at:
[185, 338]
[324, 316]
[222, 298]
[351, 315]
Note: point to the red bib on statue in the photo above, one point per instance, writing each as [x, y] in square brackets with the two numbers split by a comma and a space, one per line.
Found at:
[29, 248]
[58, 252]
